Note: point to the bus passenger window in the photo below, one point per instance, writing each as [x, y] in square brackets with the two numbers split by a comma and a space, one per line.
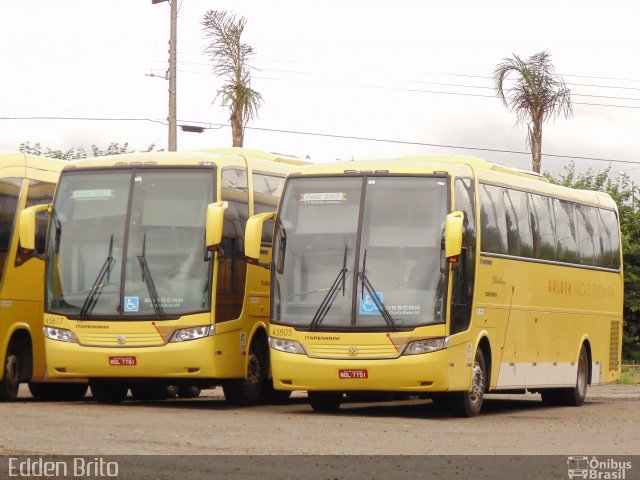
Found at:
[566, 241]
[519, 237]
[589, 244]
[542, 222]
[492, 220]
[9, 193]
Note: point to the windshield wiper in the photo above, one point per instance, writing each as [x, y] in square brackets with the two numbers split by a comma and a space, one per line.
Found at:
[98, 285]
[328, 299]
[366, 284]
[148, 279]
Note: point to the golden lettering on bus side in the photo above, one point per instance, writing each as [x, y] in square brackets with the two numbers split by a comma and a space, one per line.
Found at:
[579, 289]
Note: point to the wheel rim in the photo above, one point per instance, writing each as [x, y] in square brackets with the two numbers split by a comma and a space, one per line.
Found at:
[582, 375]
[12, 371]
[254, 371]
[477, 385]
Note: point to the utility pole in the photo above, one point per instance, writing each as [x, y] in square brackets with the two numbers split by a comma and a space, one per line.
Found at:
[173, 141]
[171, 74]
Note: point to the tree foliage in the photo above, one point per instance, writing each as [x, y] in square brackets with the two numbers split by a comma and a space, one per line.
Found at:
[79, 153]
[535, 95]
[230, 58]
[625, 194]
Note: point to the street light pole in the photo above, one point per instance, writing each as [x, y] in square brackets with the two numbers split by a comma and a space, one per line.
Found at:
[171, 74]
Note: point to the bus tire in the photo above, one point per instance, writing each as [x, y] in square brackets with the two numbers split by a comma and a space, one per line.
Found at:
[10, 383]
[272, 396]
[468, 404]
[552, 397]
[247, 391]
[189, 391]
[109, 392]
[324, 401]
[575, 396]
[64, 392]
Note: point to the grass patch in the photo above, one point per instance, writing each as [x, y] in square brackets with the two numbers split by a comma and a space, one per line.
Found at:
[630, 375]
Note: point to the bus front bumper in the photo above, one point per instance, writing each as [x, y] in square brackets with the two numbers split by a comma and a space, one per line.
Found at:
[411, 373]
[192, 359]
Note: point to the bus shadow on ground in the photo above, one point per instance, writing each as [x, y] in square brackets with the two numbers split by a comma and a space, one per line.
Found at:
[426, 409]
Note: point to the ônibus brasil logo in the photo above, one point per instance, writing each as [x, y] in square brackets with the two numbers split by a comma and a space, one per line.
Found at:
[596, 468]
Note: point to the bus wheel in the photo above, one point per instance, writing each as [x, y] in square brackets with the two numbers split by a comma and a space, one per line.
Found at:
[189, 391]
[11, 379]
[246, 392]
[575, 396]
[66, 392]
[109, 392]
[324, 401]
[468, 404]
[272, 396]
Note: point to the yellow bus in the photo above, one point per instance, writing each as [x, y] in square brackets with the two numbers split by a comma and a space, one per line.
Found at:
[444, 277]
[146, 281]
[25, 180]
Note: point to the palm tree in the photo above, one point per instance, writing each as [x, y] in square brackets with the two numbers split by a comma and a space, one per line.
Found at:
[535, 95]
[230, 58]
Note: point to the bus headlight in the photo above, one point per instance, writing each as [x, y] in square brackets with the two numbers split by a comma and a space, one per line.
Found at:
[192, 333]
[426, 346]
[60, 334]
[288, 346]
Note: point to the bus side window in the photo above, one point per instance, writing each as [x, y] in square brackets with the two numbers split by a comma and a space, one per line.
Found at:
[610, 239]
[542, 221]
[492, 220]
[519, 237]
[589, 244]
[566, 241]
[267, 189]
[232, 265]
[9, 194]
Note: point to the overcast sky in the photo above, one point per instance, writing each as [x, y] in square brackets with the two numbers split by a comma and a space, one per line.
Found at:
[417, 72]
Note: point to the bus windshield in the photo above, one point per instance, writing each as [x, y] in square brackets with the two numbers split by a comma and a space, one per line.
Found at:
[130, 243]
[360, 252]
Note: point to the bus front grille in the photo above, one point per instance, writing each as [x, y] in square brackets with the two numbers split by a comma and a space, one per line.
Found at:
[352, 351]
[120, 340]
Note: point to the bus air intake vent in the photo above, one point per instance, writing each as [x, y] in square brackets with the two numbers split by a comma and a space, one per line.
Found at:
[614, 345]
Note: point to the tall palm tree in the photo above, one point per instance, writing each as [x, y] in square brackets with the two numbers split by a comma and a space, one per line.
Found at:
[535, 95]
[230, 58]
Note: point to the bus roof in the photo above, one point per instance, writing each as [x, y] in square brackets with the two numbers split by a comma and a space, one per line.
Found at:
[458, 165]
[454, 164]
[223, 157]
[24, 165]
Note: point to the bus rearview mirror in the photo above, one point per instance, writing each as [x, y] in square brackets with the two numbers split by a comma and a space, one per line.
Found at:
[453, 234]
[28, 226]
[253, 235]
[214, 222]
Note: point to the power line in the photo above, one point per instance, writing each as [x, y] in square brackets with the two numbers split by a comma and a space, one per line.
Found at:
[331, 135]
[436, 92]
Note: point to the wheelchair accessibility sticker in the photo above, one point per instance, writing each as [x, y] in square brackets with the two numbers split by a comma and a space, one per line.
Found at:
[368, 306]
[131, 304]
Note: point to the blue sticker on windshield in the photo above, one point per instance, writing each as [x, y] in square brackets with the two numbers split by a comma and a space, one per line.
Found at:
[131, 304]
[368, 306]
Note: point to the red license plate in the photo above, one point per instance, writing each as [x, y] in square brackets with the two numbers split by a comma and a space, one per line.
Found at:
[346, 374]
[122, 361]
